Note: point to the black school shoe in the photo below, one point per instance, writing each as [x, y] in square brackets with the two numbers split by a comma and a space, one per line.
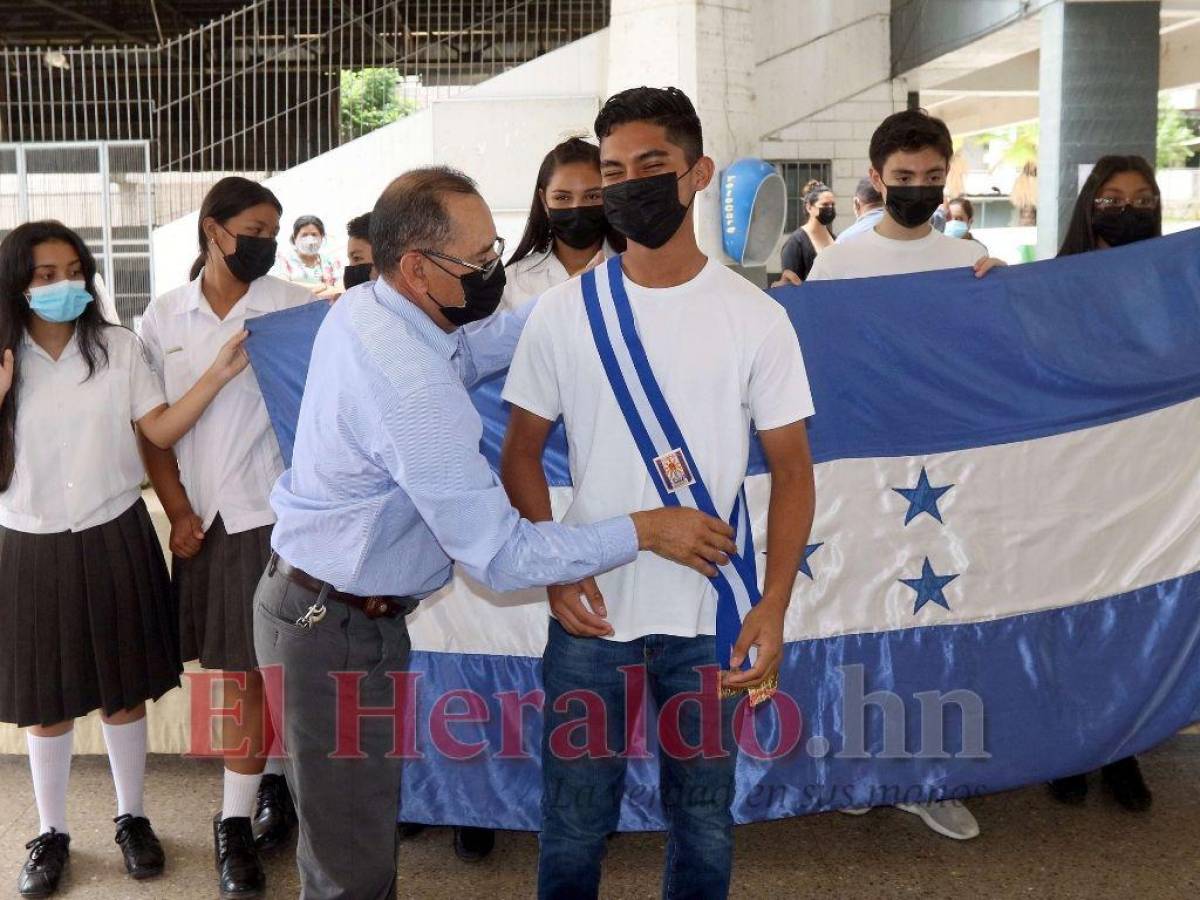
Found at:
[473, 844]
[274, 813]
[1071, 790]
[240, 874]
[1124, 779]
[48, 855]
[144, 857]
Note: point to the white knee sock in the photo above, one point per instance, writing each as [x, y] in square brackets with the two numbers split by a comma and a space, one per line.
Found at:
[274, 763]
[240, 794]
[50, 766]
[127, 758]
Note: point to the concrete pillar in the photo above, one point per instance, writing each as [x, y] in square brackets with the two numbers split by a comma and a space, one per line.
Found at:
[1098, 95]
[706, 49]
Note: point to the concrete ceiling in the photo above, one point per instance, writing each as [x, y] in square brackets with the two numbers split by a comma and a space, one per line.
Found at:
[993, 82]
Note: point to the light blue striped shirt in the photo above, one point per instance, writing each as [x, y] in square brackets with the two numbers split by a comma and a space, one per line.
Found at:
[387, 485]
[865, 222]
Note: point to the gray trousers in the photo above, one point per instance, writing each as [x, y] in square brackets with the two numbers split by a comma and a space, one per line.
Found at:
[347, 806]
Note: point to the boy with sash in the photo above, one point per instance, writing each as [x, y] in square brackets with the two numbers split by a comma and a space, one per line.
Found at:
[658, 362]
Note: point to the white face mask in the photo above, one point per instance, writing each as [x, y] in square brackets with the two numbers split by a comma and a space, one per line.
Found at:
[309, 244]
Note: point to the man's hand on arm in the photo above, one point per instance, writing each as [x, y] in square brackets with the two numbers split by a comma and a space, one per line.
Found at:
[789, 521]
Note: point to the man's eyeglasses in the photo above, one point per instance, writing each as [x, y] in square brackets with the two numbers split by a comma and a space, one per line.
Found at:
[487, 269]
[1117, 205]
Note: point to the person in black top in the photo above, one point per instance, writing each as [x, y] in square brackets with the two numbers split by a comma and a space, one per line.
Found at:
[1120, 203]
[801, 249]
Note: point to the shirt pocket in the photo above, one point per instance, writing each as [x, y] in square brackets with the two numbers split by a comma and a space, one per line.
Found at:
[179, 373]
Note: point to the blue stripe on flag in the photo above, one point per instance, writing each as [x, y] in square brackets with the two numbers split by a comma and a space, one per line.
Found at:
[1063, 691]
[940, 361]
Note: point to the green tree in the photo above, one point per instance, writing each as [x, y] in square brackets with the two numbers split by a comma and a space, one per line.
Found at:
[1174, 133]
[370, 99]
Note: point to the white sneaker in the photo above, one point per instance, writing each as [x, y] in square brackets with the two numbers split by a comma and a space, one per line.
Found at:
[856, 811]
[948, 818]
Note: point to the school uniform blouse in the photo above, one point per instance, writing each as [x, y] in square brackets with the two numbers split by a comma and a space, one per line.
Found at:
[533, 275]
[230, 460]
[77, 460]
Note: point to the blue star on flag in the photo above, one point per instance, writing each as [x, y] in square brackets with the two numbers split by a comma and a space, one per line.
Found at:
[809, 551]
[929, 587]
[923, 498]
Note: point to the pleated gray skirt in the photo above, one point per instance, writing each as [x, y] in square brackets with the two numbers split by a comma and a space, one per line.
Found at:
[215, 593]
[87, 621]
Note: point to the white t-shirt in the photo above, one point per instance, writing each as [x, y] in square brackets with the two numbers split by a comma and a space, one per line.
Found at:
[724, 353]
[230, 460]
[77, 460]
[870, 254]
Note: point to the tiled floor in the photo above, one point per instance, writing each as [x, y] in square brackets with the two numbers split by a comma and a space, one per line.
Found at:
[1030, 847]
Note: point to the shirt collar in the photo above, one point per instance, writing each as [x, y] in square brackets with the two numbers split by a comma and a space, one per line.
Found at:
[254, 298]
[426, 329]
[72, 348]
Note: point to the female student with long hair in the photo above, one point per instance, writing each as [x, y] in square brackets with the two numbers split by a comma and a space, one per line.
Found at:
[1119, 203]
[89, 621]
[217, 500]
[566, 231]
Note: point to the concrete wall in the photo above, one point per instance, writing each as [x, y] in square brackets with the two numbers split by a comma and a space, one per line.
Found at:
[497, 132]
[824, 85]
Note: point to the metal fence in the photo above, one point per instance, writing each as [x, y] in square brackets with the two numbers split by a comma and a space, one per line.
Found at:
[260, 90]
[102, 189]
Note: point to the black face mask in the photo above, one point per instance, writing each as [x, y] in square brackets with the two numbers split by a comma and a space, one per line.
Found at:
[647, 210]
[253, 257]
[353, 276]
[482, 295]
[579, 227]
[1126, 227]
[912, 205]
[826, 215]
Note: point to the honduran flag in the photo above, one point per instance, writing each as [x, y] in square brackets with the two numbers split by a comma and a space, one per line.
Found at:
[1002, 585]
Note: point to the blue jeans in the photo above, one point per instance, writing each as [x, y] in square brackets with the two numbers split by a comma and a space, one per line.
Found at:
[581, 797]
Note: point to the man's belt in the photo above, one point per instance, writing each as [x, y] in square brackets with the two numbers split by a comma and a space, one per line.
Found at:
[371, 607]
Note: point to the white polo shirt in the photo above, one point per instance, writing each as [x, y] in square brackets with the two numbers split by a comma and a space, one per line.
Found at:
[724, 354]
[230, 460]
[533, 275]
[77, 460]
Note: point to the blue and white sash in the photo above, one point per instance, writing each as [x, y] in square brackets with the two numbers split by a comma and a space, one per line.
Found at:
[662, 446]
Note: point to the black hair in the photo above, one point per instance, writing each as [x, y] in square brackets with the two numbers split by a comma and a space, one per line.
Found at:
[667, 107]
[16, 274]
[227, 198]
[538, 237]
[809, 194]
[360, 227]
[302, 221]
[812, 190]
[866, 193]
[1079, 237]
[410, 215]
[908, 131]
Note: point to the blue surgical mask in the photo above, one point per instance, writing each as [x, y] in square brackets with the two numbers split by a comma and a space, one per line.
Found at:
[957, 229]
[63, 301]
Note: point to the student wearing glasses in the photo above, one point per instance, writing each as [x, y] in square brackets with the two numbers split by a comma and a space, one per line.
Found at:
[1119, 204]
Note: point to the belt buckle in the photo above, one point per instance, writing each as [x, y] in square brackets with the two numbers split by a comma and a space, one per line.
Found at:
[375, 607]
